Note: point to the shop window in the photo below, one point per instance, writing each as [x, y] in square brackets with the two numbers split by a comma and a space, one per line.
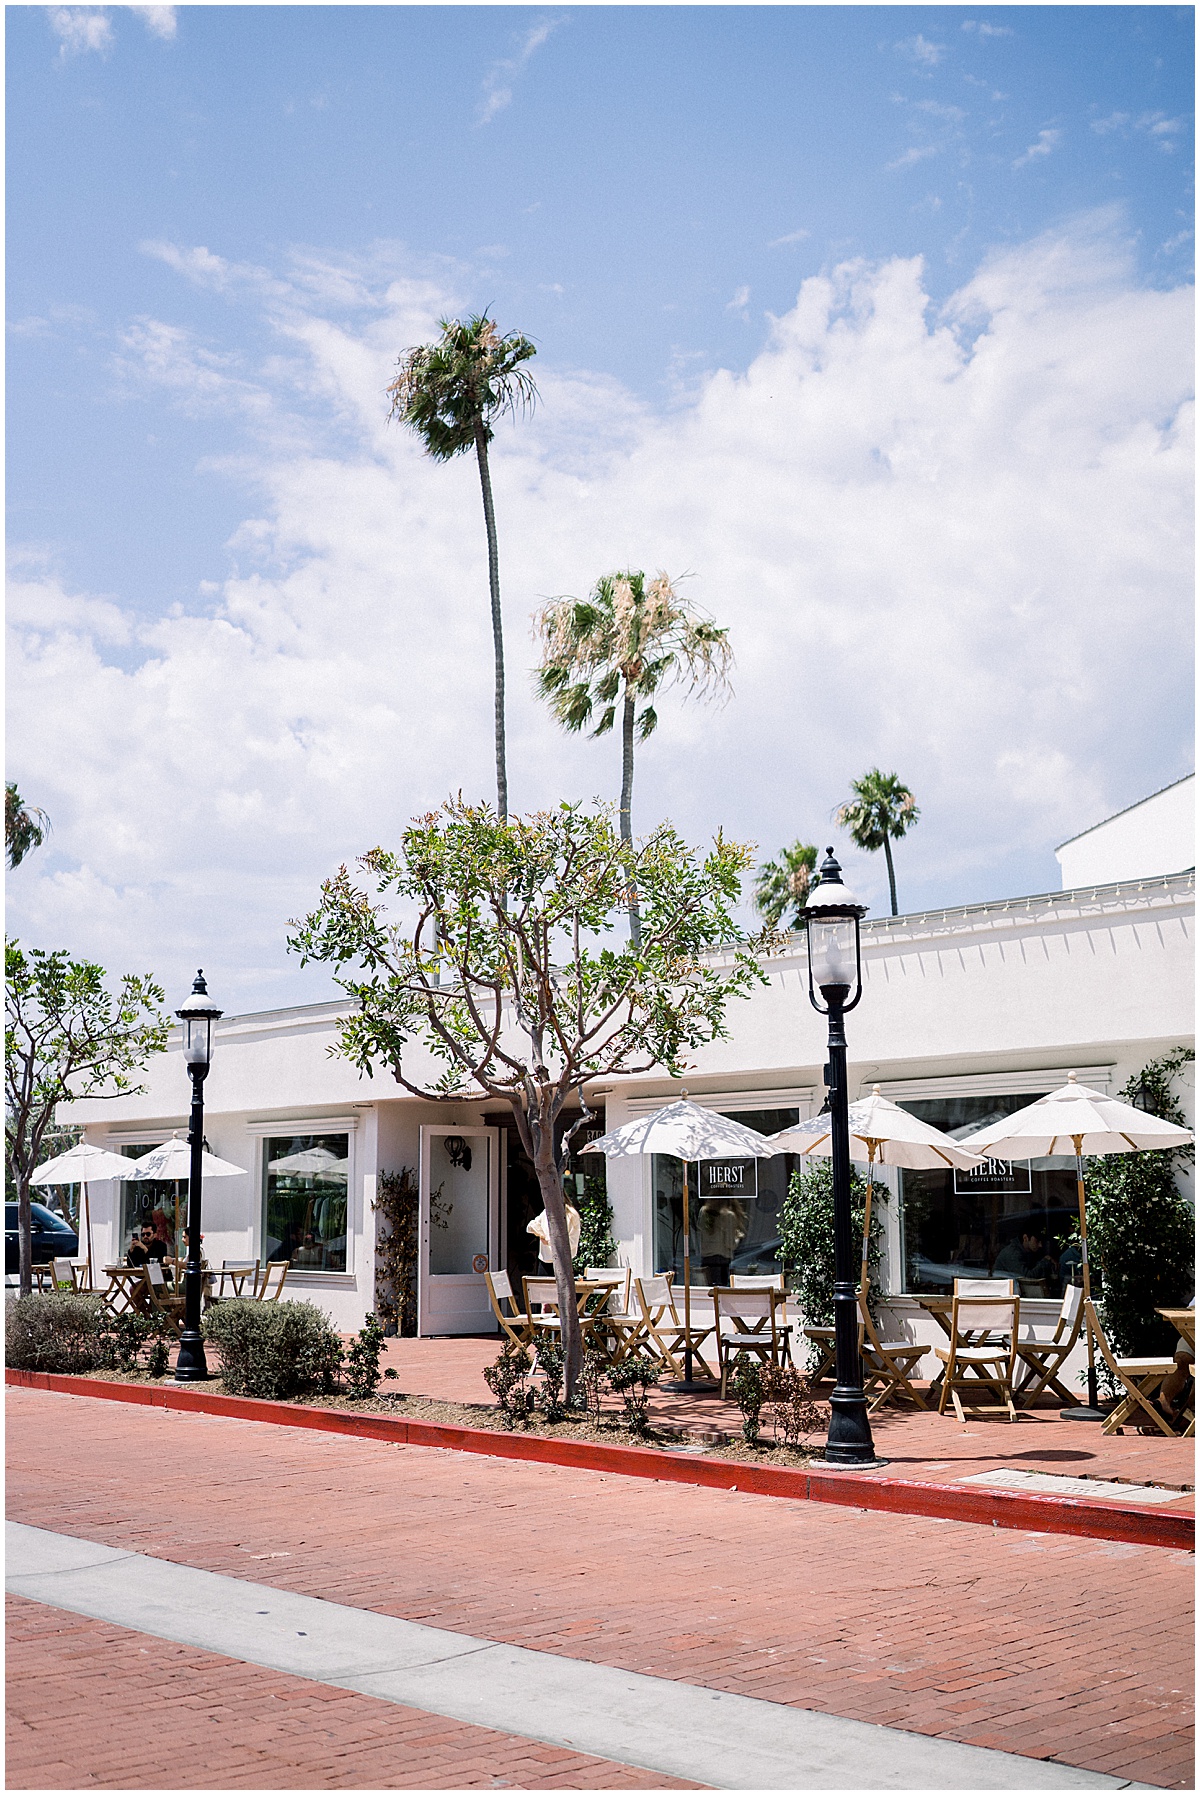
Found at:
[156, 1203]
[307, 1180]
[1014, 1219]
[734, 1207]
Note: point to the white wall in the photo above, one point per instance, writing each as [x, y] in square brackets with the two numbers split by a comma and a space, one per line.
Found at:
[1156, 836]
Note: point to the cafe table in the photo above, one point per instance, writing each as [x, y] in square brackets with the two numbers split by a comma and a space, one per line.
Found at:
[1184, 1323]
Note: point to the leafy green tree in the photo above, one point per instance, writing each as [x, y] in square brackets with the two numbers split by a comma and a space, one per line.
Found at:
[880, 812]
[66, 1037]
[451, 392]
[807, 1242]
[613, 651]
[25, 826]
[1141, 1227]
[782, 886]
[500, 968]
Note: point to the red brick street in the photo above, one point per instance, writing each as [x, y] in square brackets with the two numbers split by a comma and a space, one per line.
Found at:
[1053, 1647]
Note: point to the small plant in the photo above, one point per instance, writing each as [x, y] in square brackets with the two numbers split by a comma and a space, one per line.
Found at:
[397, 1206]
[633, 1380]
[125, 1337]
[158, 1354]
[59, 1332]
[507, 1380]
[274, 1349]
[362, 1360]
[550, 1362]
[589, 1391]
[749, 1394]
[787, 1397]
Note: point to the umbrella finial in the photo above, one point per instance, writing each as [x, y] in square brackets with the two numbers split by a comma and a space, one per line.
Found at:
[1071, 1078]
[875, 1091]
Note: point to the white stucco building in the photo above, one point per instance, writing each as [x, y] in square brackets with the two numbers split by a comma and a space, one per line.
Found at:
[966, 1013]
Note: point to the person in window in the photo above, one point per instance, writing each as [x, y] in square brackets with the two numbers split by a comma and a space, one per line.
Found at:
[1011, 1260]
[139, 1246]
[309, 1253]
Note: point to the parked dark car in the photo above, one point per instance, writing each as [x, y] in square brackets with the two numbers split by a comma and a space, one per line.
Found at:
[52, 1237]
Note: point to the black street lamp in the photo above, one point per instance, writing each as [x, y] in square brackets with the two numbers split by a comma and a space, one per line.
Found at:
[197, 1014]
[832, 916]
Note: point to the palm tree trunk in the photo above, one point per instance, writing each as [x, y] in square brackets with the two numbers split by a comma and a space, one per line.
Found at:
[887, 849]
[489, 518]
[626, 815]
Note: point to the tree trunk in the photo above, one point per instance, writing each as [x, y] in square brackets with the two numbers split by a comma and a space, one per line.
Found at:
[489, 518]
[25, 1234]
[550, 1184]
[626, 816]
[887, 849]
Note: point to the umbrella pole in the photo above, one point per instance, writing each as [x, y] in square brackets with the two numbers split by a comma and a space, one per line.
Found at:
[87, 1213]
[867, 1212]
[687, 1281]
[1087, 1276]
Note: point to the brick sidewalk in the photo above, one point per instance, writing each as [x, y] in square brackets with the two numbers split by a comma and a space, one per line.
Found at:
[162, 1716]
[1077, 1650]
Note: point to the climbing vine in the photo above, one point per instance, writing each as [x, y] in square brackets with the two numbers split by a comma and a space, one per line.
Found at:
[396, 1207]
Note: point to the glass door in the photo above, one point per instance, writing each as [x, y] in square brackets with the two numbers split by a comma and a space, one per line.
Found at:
[460, 1229]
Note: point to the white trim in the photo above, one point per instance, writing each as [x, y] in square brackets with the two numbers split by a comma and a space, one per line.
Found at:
[991, 1084]
[141, 1137]
[790, 1097]
[276, 1125]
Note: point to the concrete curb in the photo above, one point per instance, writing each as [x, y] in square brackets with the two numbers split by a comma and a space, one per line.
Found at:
[1033, 1513]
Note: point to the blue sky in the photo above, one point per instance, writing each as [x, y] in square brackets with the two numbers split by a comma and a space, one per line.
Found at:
[222, 221]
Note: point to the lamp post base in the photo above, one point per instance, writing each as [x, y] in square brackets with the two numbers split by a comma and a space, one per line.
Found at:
[849, 1442]
[191, 1366]
[837, 1464]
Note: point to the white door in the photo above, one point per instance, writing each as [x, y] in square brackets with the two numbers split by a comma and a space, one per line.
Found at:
[460, 1229]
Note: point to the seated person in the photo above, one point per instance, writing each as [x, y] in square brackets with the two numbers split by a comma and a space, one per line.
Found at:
[310, 1253]
[1070, 1261]
[1043, 1268]
[1011, 1260]
[139, 1247]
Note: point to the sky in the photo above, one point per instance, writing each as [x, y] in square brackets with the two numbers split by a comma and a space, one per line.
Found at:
[874, 322]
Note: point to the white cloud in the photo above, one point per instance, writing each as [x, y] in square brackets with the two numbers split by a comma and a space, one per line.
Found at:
[955, 545]
[790, 237]
[917, 152]
[498, 82]
[1160, 129]
[1047, 141]
[919, 51]
[986, 30]
[739, 302]
[160, 21]
[81, 28]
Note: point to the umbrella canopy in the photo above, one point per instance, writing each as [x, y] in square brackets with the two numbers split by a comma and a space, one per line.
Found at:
[1076, 1119]
[83, 1164]
[883, 1134]
[173, 1160]
[687, 1132]
[311, 1162]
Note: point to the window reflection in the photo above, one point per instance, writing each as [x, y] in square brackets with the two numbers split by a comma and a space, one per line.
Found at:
[733, 1205]
[307, 1180]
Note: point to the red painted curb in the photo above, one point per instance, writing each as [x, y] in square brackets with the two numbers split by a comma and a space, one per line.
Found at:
[849, 1489]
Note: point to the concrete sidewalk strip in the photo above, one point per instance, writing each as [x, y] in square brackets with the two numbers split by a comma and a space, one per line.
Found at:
[1054, 1483]
[655, 1723]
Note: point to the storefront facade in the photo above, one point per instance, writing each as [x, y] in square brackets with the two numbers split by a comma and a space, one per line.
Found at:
[966, 1013]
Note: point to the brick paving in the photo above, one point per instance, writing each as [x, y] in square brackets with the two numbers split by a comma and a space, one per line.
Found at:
[1076, 1650]
[161, 1716]
[933, 1448]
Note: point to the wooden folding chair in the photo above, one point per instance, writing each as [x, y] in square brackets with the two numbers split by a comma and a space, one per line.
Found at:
[1042, 1360]
[268, 1285]
[615, 1328]
[740, 1280]
[890, 1363]
[159, 1298]
[541, 1305]
[1139, 1378]
[746, 1321]
[516, 1325]
[662, 1325]
[64, 1275]
[231, 1281]
[127, 1290]
[982, 1350]
[823, 1340]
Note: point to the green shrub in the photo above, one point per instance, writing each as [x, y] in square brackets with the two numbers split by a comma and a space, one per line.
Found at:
[749, 1394]
[806, 1236]
[507, 1379]
[55, 1331]
[362, 1360]
[633, 1380]
[787, 1397]
[1141, 1227]
[274, 1349]
[551, 1362]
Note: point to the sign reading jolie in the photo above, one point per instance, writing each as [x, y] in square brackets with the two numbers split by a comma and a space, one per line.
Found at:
[728, 1178]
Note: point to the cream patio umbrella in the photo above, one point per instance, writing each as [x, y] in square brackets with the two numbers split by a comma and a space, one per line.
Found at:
[883, 1134]
[172, 1162]
[1075, 1119]
[684, 1131]
[78, 1165]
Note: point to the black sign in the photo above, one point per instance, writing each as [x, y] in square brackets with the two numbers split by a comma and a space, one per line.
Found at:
[728, 1178]
[1002, 1175]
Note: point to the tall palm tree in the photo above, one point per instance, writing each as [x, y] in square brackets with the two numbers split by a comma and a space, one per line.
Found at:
[615, 649]
[880, 812]
[783, 885]
[25, 826]
[451, 392]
